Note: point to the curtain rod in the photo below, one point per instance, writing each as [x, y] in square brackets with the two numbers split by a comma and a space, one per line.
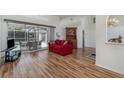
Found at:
[22, 22]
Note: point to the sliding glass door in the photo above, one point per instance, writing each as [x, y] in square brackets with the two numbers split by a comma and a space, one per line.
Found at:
[43, 37]
[30, 37]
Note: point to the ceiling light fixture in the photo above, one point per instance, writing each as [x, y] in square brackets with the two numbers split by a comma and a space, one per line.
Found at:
[112, 22]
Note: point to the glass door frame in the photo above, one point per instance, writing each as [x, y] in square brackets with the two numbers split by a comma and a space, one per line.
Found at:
[26, 39]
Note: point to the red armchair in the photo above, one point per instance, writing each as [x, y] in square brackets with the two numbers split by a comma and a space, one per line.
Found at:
[61, 47]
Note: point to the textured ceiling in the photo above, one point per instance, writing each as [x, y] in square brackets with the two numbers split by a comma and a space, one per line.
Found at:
[63, 16]
[66, 16]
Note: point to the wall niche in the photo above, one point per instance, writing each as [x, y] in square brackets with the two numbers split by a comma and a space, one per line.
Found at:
[115, 29]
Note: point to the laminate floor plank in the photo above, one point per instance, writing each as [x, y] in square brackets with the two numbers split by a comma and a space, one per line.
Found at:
[45, 64]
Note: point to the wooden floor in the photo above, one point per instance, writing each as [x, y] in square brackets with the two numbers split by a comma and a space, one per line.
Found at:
[48, 65]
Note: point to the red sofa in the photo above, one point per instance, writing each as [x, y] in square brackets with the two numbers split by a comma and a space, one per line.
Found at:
[61, 47]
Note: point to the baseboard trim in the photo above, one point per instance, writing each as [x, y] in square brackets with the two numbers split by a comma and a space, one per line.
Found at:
[112, 70]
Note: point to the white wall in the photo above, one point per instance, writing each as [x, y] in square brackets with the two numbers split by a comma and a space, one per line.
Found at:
[90, 30]
[107, 56]
[66, 22]
[82, 23]
[79, 36]
[61, 32]
[73, 21]
[3, 35]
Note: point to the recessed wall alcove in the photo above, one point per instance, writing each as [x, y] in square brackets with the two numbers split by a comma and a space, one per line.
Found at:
[115, 29]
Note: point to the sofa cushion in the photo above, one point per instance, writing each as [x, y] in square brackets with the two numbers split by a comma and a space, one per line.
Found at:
[65, 42]
[58, 42]
[62, 42]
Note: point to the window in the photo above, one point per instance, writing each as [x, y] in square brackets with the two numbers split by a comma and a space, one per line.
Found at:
[16, 31]
[26, 33]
